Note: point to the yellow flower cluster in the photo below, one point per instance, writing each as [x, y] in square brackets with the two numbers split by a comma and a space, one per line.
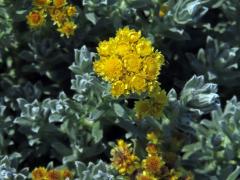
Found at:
[129, 63]
[153, 106]
[123, 159]
[152, 167]
[42, 173]
[60, 12]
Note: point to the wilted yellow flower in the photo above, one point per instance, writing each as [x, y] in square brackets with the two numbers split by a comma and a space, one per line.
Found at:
[71, 10]
[153, 164]
[136, 64]
[145, 176]
[41, 3]
[39, 173]
[123, 159]
[142, 108]
[54, 175]
[36, 19]
[59, 3]
[153, 106]
[67, 29]
[158, 101]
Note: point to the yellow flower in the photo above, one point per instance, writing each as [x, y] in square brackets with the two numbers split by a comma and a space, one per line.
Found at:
[140, 64]
[118, 88]
[67, 29]
[110, 68]
[39, 173]
[54, 175]
[153, 164]
[122, 48]
[138, 84]
[123, 159]
[133, 63]
[41, 3]
[145, 176]
[153, 65]
[58, 16]
[59, 3]
[71, 10]
[144, 47]
[105, 48]
[36, 19]
[126, 34]
[152, 138]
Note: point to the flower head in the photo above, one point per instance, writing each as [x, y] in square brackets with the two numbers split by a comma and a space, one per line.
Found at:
[39, 173]
[71, 10]
[118, 88]
[123, 159]
[153, 164]
[58, 16]
[36, 19]
[153, 106]
[54, 175]
[136, 64]
[67, 29]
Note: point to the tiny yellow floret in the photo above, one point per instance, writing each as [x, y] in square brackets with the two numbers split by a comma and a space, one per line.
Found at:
[36, 19]
[153, 164]
[71, 10]
[67, 29]
[39, 173]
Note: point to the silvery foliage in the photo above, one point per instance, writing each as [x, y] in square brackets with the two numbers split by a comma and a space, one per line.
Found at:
[8, 171]
[216, 152]
[218, 62]
[98, 171]
[196, 99]
[52, 123]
